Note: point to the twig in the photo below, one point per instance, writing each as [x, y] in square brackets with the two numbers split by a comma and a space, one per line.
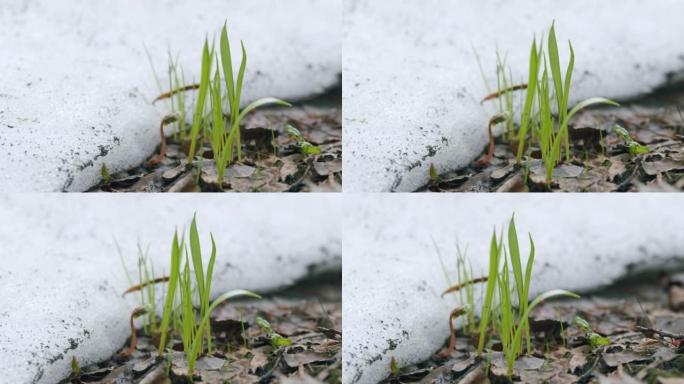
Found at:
[134, 337]
[306, 172]
[270, 371]
[168, 94]
[587, 374]
[497, 94]
[138, 287]
[490, 152]
[648, 332]
[458, 287]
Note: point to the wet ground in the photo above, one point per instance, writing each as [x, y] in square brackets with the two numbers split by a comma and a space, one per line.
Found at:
[601, 160]
[273, 159]
[639, 320]
[309, 315]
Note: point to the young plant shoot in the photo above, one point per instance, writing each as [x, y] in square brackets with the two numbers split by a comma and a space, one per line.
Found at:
[505, 310]
[545, 114]
[188, 297]
[224, 84]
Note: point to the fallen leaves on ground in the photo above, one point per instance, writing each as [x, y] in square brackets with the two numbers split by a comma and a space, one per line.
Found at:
[601, 160]
[645, 343]
[242, 352]
[272, 162]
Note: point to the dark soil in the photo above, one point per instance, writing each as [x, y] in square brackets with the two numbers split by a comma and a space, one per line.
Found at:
[639, 317]
[310, 315]
[272, 160]
[600, 160]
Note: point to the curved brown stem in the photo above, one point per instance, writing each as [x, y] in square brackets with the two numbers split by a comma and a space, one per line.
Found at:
[134, 337]
[490, 152]
[168, 119]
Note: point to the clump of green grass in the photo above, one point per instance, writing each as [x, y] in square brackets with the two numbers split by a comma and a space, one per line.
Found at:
[188, 295]
[506, 309]
[545, 113]
[217, 84]
[550, 123]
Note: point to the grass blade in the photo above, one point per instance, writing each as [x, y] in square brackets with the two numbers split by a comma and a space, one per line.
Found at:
[196, 253]
[202, 94]
[494, 252]
[176, 254]
[227, 63]
[529, 99]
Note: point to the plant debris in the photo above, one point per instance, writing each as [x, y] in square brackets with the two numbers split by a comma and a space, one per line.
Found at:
[626, 333]
[274, 161]
[243, 351]
[644, 153]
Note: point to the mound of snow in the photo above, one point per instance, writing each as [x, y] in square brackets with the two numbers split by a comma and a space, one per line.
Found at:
[62, 279]
[412, 86]
[77, 84]
[393, 278]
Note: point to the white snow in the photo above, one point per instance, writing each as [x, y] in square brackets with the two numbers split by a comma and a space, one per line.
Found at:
[393, 279]
[412, 86]
[61, 278]
[77, 85]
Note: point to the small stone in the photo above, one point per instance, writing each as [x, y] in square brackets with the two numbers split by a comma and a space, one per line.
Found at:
[500, 173]
[172, 174]
[143, 366]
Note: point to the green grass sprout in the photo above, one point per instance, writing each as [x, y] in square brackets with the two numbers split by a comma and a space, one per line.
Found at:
[190, 284]
[506, 309]
[234, 91]
[595, 340]
[219, 95]
[201, 98]
[277, 340]
[545, 113]
[634, 147]
[306, 148]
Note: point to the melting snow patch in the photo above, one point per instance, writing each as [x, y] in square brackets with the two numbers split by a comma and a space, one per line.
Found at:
[412, 86]
[62, 279]
[393, 278]
[77, 85]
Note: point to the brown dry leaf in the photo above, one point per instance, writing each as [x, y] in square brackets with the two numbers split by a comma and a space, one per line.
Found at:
[615, 359]
[294, 360]
[300, 377]
[289, 167]
[258, 361]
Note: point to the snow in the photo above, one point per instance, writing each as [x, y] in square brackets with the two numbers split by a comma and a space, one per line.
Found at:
[393, 278]
[62, 279]
[77, 84]
[412, 86]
